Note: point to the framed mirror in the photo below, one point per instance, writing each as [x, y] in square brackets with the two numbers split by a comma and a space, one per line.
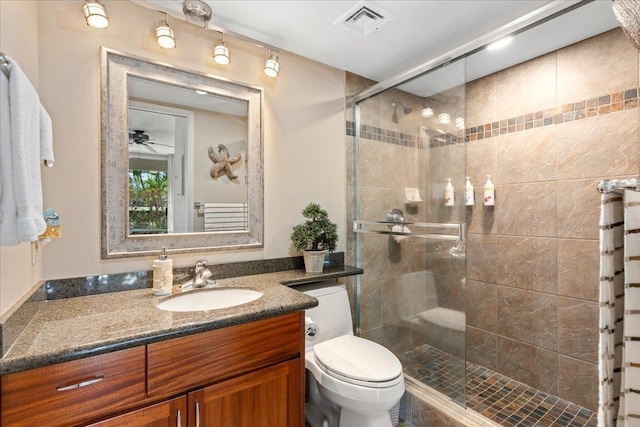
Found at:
[181, 160]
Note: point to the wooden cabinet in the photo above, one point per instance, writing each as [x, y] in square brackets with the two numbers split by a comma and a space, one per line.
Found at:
[250, 375]
[72, 392]
[196, 360]
[171, 413]
[268, 397]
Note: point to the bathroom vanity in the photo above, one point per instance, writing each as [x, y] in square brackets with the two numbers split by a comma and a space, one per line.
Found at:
[199, 379]
[115, 359]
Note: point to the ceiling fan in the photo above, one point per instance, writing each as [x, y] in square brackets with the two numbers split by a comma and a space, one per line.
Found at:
[141, 138]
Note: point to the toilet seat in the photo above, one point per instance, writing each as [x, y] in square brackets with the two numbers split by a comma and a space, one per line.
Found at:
[358, 361]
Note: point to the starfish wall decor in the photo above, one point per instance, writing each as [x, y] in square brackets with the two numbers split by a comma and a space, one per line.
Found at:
[222, 162]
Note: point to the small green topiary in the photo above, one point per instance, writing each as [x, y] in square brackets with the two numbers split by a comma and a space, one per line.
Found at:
[317, 233]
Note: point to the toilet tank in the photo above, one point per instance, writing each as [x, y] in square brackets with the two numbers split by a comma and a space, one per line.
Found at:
[332, 314]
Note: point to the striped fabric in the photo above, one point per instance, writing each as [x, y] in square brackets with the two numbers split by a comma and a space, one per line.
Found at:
[619, 365]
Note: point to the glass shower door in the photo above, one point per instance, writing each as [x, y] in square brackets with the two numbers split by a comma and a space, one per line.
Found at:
[408, 140]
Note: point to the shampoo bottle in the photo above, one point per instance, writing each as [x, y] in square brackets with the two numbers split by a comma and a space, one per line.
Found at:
[489, 193]
[449, 195]
[469, 198]
[162, 274]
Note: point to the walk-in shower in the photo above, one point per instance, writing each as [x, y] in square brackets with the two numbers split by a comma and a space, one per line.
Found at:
[488, 307]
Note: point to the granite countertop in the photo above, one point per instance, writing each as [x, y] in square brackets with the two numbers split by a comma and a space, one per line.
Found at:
[73, 328]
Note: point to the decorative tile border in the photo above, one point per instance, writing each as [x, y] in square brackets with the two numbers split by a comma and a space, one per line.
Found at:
[383, 135]
[599, 106]
[606, 104]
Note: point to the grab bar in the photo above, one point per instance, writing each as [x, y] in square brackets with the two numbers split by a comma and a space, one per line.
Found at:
[460, 230]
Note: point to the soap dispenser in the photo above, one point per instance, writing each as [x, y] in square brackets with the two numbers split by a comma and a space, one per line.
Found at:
[469, 197]
[449, 194]
[489, 192]
[162, 274]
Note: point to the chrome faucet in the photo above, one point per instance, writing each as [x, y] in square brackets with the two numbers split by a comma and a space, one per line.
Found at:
[201, 274]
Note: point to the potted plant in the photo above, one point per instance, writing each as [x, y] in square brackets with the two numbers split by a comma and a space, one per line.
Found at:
[315, 237]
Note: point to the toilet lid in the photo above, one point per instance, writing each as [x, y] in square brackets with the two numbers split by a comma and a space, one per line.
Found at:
[357, 358]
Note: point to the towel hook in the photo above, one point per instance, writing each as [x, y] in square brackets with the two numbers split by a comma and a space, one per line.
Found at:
[4, 63]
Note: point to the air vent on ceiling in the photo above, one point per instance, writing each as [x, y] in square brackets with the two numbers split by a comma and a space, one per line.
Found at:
[364, 17]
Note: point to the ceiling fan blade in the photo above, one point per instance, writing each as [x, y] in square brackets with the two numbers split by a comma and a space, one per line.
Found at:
[164, 145]
[150, 148]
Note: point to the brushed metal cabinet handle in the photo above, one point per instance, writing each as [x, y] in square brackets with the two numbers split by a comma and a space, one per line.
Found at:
[81, 384]
[197, 414]
[179, 423]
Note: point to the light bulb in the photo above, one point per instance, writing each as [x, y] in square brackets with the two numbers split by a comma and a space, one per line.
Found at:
[165, 35]
[444, 118]
[95, 14]
[272, 66]
[221, 53]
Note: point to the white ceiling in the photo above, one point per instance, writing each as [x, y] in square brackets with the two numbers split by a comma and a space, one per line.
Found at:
[419, 31]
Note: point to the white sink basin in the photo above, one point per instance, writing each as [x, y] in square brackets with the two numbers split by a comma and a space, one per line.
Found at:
[209, 299]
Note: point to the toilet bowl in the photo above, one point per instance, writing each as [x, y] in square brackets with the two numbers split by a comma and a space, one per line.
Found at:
[353, 382]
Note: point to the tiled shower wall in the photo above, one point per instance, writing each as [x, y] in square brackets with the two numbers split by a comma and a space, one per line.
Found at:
[559, 124]
[546, 131]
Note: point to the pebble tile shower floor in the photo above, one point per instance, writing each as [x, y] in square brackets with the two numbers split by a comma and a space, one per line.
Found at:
[499, 398]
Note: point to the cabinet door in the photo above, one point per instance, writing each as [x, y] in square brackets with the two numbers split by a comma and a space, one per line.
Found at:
[268, 397]
[172, 413]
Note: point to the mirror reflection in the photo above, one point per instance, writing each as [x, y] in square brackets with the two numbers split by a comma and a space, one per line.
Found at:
[181, 160]
[187, 160]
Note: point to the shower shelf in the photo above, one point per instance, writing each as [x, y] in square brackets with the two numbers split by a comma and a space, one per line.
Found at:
[441, 231]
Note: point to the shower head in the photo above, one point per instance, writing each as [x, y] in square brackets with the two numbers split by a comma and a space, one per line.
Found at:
[405, 109]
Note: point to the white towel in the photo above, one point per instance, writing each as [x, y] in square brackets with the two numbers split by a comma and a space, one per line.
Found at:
[30, 139]
[46, 138]
[5, 136]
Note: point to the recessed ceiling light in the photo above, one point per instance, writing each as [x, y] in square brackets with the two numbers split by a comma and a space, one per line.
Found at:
[499, 44]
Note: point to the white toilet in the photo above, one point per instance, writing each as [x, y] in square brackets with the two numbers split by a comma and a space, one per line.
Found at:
[353, 382]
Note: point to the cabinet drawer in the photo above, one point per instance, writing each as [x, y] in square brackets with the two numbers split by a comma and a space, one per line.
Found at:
[182, 364]
[73, 392]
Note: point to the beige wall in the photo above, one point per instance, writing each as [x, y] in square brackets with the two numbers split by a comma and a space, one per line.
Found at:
[212, 129]
[304, 158]
[19, 40]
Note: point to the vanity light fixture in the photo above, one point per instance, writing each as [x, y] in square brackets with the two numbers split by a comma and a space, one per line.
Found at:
[499, 44]
[221, 52]
[459, 122]
[426, 111]
[95, 13]
[165, 35]
[444, 118]
[271, 65]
